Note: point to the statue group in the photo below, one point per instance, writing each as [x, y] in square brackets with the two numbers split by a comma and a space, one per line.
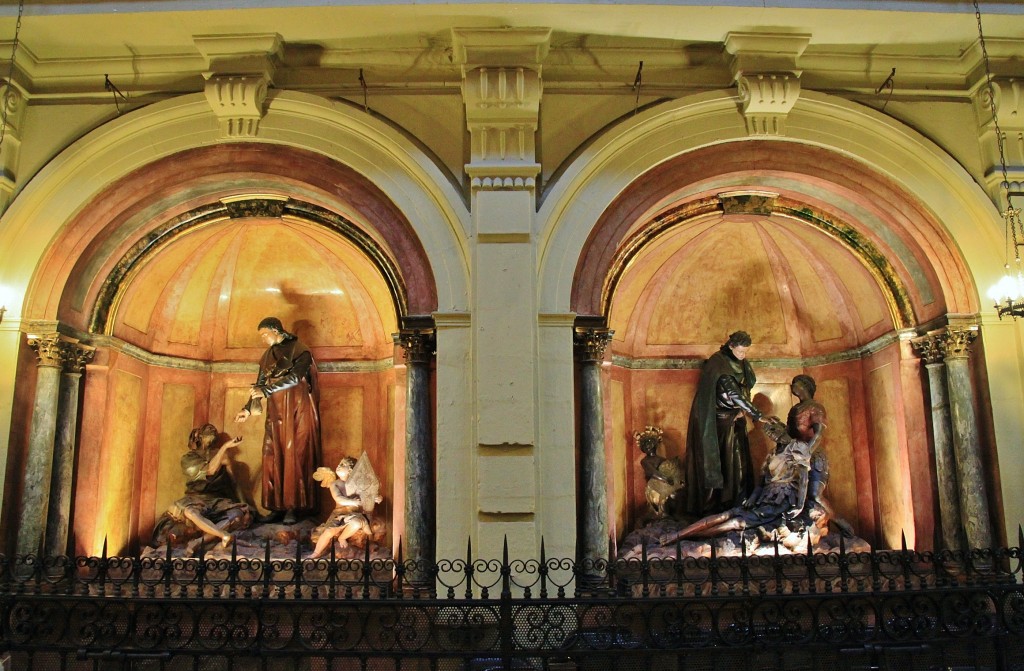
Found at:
[712, 492]
[214, 514]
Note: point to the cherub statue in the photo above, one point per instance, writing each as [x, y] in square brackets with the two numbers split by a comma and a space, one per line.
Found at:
[356, 490]
[665, 477]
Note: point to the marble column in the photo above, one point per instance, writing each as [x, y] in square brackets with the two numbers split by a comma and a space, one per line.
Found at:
[593, 525]
[59, 515]
[35, 498]
[932, 350]
[418, 541]
[974, 511]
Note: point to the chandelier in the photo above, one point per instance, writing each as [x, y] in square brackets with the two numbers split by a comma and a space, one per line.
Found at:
[1008, 292]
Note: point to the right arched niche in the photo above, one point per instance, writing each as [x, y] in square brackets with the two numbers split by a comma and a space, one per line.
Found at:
[829, 266]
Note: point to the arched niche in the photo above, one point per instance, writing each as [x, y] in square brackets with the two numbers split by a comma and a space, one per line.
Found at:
[168, 271]
[830, 265]
[79, 214]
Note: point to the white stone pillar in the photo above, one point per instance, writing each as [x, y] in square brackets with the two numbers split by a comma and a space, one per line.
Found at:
[502, 89]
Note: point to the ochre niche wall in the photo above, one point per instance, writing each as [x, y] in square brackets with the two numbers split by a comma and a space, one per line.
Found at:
[128, 468]
[872, 482]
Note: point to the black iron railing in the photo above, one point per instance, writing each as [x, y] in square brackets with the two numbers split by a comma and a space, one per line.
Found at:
[898, 609]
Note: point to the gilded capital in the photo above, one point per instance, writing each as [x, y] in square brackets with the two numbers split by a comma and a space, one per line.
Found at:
[957, 342]
[590, 343]
[420, 346]
[77, 356]
[48, 348]
[930, 348]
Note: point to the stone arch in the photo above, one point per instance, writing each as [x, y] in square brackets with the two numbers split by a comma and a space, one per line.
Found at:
[404, 176]
[906, 209]
[603, 183]
[99, 211]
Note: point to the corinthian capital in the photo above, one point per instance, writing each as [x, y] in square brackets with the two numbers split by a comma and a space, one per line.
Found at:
[590, 343]
[49, 349]
[420, 346]
[930, 348]
[957, 342]
[76, 356]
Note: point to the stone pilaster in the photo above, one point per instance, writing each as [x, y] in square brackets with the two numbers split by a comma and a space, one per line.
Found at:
[419, 349]
[590, 344]
[501, 89]
[932, 351]
[764, 67]
[59, 516]
[974, 513]
[50, 352]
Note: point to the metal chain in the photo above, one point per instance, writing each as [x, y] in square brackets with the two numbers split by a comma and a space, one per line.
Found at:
[1011, 215]
[10, 73]
[991, 97]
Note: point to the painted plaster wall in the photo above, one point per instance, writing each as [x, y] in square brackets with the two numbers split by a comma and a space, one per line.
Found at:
[864, 442]
[549, 468]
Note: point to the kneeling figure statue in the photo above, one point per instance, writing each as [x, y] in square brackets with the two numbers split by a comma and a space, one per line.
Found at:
[787, 504]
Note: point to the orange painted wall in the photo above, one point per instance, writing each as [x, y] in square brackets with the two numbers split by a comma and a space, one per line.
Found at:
[128, 466]
[878, 459]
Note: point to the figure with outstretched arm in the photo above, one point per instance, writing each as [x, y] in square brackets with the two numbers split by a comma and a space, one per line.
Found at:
[719, 473]
[287, 383]
[213, 503]
[781, 495]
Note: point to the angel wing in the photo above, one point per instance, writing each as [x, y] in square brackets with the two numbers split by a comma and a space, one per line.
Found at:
[325, 475]
[364, 480]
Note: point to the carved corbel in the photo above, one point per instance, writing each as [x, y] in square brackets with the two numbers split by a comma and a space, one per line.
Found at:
[1009, 107]
[501, 88]
[13, 98]
[764, 67]
[240, 70]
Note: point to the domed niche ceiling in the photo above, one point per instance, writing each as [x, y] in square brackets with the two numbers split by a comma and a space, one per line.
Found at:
[810, 306]
[202, 296]
[797, 291]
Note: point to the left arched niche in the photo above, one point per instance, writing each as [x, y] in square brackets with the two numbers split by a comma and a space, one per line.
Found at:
[169, 271]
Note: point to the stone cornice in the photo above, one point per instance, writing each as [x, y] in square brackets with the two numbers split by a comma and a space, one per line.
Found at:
[568, 61]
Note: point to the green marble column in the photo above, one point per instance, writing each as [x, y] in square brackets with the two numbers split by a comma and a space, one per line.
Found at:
[418, 540]
[974, 511]
[593, 523]
[59, 515]
[42, 432]
[932, 350]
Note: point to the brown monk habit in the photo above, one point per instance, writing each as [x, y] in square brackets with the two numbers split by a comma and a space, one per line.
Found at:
[719, 473]
[291, 441]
